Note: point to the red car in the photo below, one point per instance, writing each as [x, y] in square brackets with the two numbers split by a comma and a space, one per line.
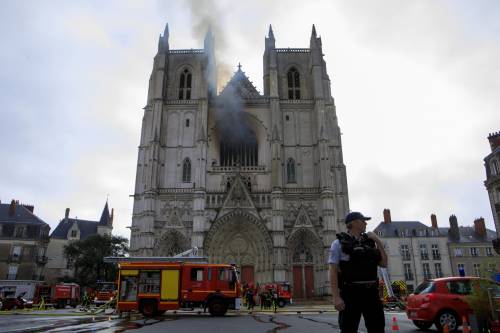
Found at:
[14, 303]
[442, 301]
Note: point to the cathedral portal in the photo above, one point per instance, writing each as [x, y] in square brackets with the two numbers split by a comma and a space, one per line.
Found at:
[240, 238]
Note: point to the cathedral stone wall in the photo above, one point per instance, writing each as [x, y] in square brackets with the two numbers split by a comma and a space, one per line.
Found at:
[253, 179]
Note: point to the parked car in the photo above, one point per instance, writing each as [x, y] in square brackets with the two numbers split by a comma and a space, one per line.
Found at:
[442, 301]
[13, 303]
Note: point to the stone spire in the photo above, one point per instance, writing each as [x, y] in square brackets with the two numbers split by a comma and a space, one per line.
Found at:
[270, 41]
[163, 45]
[271, 34]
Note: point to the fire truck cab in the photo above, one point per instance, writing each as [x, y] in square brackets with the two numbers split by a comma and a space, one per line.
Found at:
[152, 286]
[105, 292]
[282, 289]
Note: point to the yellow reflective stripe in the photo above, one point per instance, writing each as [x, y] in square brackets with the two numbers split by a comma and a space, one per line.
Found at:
[129, 272]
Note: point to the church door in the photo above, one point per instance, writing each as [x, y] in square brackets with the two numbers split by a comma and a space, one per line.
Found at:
[247, 274]
[309, 274]
[297, 282]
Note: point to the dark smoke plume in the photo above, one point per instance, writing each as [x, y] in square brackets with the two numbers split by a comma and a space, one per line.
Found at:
[206, 15]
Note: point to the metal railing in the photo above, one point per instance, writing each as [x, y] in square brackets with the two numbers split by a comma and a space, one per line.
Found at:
[41, 259]
[14, 258]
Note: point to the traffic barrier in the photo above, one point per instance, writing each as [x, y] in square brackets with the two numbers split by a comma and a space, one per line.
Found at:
[395, 326]
[466, 327]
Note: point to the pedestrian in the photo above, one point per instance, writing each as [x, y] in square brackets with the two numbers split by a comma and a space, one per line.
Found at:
[354, 258]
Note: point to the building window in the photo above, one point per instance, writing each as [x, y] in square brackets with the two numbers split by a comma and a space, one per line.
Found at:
[424, 255]
[437, 268]
[427, 271]
[73, 233]
[186, 171]
[461, 268]
[187, 122]
[489, 253]
[477, 270]
[458, 252]
[435, 252]
[239, 151]
[16, 253]
[405, 252]
[494, 168]
[408, 272]
[474, 251]
[185, 85]
[290, 171]
[70, 263]
[293, 84]
[19, 232]
[12, 274]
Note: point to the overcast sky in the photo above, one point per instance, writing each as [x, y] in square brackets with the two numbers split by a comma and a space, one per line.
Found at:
[416, 85]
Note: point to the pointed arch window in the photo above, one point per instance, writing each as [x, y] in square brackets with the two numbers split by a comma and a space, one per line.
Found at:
[293, 78]
[186, 171]
[290, 171]
[185, 84]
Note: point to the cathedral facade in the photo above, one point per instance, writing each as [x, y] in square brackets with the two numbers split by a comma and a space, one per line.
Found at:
[248, 178]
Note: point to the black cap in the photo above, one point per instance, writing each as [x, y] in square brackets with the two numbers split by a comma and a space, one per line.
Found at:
[355, 216]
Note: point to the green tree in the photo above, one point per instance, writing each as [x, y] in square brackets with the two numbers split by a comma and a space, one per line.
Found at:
[88, 255]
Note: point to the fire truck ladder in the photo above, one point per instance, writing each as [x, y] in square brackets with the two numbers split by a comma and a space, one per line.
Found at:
[186, 256]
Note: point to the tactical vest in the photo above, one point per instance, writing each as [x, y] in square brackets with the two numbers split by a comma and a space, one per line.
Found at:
[363, 259]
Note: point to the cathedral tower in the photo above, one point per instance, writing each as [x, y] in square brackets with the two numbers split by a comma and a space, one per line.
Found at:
[253, 179]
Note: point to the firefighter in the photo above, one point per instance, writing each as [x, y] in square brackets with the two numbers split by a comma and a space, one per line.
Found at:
[354, 257]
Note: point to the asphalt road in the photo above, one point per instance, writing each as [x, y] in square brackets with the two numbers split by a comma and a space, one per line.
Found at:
[290, 322]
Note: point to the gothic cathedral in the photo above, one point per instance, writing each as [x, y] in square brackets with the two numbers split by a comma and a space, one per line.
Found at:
[252, 179]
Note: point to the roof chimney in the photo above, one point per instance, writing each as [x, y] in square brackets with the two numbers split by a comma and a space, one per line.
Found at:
[387, 216]
[66, 214]
[494, 139]
[454, 231]
[112, 216]
[434, 221]
[480, 227]
[12, 207]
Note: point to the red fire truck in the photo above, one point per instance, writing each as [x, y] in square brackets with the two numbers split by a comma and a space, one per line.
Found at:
[60, 294]
[154, 285]
[105, 292]
[283, 290]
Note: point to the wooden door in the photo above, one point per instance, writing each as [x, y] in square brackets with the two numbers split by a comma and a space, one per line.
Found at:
[297, 282]
[247, 274]
[309, 274]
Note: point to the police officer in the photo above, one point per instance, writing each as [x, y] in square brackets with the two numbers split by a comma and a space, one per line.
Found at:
[354, 257]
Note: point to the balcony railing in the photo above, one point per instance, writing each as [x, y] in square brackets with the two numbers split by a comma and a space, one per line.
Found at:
[406, 257]
[41, 259]
[14, 258]
[427, 276]
[11, 276]
[424, 256]
[436, 256]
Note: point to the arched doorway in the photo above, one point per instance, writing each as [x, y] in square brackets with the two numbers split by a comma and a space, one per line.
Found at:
[170, 243]
[241, 238]
[305, 258]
